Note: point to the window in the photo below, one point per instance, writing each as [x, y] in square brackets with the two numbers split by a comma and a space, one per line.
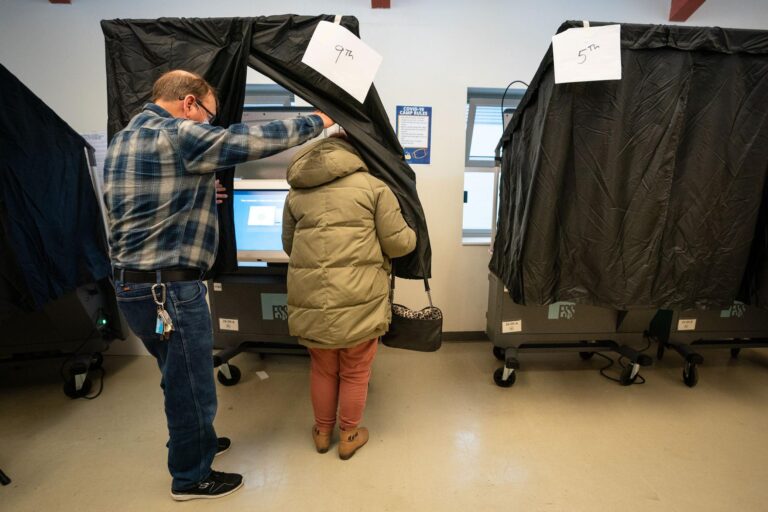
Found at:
[484, 129]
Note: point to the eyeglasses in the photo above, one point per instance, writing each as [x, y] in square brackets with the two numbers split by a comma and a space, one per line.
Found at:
[210, 116]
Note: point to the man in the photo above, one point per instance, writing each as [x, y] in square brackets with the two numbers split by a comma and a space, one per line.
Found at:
[160, 197]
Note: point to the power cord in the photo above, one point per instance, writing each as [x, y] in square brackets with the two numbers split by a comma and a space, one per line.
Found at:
[503, 96]
[639, 379]
[97, 329]
[101, 385]
[74, 354]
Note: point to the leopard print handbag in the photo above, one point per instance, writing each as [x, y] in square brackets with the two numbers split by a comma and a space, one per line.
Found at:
[420, 330]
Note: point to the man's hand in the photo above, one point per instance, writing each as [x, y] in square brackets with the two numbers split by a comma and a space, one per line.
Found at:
[327, 121]
[221, 192]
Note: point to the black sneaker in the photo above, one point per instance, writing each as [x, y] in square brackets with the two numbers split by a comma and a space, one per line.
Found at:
[222, 445]
[217, 485]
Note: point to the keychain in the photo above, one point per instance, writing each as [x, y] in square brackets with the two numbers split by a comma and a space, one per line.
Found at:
[164, 324]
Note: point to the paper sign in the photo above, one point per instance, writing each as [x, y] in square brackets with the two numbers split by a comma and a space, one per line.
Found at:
[229, 324]
[337, 54]
[686, 324]
[587, 54]
[512, 326]
[217, 287]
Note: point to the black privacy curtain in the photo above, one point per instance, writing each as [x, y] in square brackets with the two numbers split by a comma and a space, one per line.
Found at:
[51, 229]
[221, 49]
[645, 191]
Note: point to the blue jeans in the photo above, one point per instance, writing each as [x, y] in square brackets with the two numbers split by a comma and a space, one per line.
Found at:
[186, 363]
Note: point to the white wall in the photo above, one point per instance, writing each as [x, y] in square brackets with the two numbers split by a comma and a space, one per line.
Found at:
[433, 50]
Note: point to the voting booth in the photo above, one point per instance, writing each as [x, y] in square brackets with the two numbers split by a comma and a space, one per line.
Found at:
[636, 181]
[249, 306]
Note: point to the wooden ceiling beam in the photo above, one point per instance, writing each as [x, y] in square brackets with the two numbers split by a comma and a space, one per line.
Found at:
[681, 10]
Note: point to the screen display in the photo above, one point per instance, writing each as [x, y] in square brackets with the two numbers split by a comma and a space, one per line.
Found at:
[258, 216]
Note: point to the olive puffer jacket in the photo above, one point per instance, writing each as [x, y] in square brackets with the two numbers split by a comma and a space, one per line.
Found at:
[340, 227]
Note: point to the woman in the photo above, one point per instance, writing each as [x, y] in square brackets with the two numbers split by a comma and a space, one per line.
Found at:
[341, 226]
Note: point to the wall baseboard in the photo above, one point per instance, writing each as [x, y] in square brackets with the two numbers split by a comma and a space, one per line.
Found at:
[465, 336]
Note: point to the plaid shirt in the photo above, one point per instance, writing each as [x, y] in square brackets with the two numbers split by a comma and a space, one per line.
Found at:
[159, 183]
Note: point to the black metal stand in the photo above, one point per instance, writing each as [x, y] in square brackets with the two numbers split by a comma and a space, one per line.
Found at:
[587, 330]
[229, 374]
[737, 328]
[4, 478]
[237, 296]
[505, 376]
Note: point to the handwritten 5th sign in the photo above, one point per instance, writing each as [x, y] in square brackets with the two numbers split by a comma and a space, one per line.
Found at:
[337, 54]
[587, 54]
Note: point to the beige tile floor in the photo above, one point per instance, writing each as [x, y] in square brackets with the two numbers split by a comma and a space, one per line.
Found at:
[443, 437]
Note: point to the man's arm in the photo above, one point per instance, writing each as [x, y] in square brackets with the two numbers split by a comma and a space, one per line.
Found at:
[206, 148]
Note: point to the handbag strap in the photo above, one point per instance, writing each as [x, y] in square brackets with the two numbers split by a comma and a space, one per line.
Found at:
[426, 284]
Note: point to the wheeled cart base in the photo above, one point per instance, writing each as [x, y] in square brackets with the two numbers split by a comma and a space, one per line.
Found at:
[78, 327]
[229, 374]
[735, 328]
[562, 327]
[250, 314]
[75, 370]
[505, 375]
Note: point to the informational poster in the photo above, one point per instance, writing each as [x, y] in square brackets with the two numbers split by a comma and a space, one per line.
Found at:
[414, 131]
[99, 142]
[587, 54]
[341, 57]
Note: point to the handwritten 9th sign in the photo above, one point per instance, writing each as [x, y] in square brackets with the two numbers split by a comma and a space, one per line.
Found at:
[587, 54]
[341, 57]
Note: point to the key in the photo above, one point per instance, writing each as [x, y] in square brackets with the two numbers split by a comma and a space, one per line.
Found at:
[167, 324]
[164, 324]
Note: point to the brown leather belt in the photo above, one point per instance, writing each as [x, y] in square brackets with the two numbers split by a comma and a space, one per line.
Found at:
[150, 276]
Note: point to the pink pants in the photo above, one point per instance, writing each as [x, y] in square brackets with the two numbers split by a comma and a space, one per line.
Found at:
[339, 380]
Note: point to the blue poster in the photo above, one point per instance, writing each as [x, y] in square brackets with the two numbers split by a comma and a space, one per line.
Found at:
[414, 131]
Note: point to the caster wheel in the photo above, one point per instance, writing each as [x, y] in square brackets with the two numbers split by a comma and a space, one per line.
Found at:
[498, 353]
[627, 377]
[586, 356]
[690, 375]
[71, 391]
[97, 360]
[234, 376]
[498, 378]
[735, 352]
